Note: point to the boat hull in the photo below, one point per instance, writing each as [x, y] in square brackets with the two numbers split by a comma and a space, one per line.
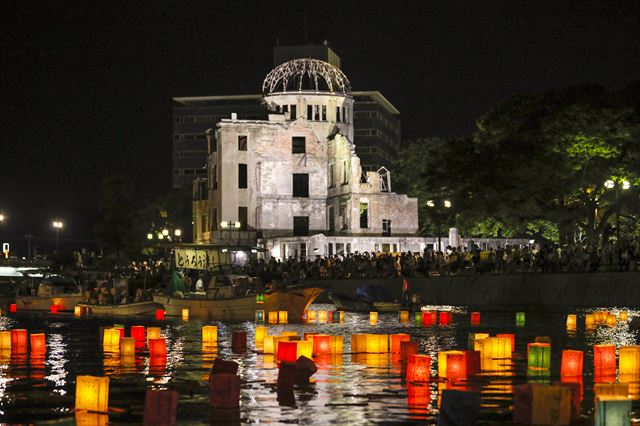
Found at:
[138, 308]
[43, 303]
[294, 301]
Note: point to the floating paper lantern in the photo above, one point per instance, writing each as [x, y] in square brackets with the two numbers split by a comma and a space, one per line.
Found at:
[158, 347]
[5, 340]
[445, 318]
[321, 344]
[419, 368]
[287, 351]
[572, 322]
[120, 328]
[396, 339]
[111, 339]
[13, 308]
[92, 393]
[153, 333]
[601, 317]
[311, 316]
[475, 318]
[623, 316]
[404, 316]
[373, 318]
[269, 344]
[340, 314]
[429, 318]
[377, 343]
[629, 362]
[38, 343]
[138, 333]
[590, 320]
[260, 299]
[337, 345]
[185, 314]
[330, 317]
[612, 410]
[358, 343]
[473, 337]
[511, 337]
[418, 317]
[604, 360]
[159, 314]
[283, 317]
[210, 335]
[273, 317]
[77, 311]
[289, 334]
[456, 365]
[493, 349]
[542, 404]
[261, 331]
[305, 348]
[572, 362]
[407, 349]
[611, 320]
[259, 315]
[443, 361]
[127, 346]
[539, 356]
[601, 390]
[322, 317]
[520, 319]
[54, 309]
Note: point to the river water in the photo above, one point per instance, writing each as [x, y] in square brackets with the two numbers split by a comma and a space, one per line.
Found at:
[347, 389]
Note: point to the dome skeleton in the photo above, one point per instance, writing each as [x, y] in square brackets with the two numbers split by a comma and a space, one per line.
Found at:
[313, 69]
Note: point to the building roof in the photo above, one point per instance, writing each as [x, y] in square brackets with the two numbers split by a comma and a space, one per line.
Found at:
[306, 74]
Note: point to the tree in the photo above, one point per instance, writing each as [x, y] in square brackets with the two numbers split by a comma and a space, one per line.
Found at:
[116, 228]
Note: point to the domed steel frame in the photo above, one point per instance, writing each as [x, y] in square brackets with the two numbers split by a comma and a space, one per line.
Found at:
[292, 76]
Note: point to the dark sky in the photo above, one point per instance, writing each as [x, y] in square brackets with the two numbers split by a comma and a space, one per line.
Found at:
[87, 88]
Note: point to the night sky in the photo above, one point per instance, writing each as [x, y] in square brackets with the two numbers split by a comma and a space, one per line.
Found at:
[87, 88]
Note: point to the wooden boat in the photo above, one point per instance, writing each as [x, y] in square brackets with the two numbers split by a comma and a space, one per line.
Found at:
[39, 290]
[346, 303]
[136, 308]
[241, 308]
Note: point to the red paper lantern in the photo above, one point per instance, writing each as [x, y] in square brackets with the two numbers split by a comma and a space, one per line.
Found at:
[239, 341]
[159, 314]
[38, 343]
[307, 336]
[54, 309]
[158, 347]
[396, 340]
[571, 363]
[429, 318]
[138, 332]
[13, 308]
[408, 348]
[321, 344]
[445, 318]
[419, 368]
[19, 340]
[511, 337]
[604, 360]
[475, 318]
[287, 351]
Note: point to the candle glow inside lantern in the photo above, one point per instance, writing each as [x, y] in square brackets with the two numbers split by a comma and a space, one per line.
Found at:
[321, 344]
[539, 356]
[623, 316]
[404, 316]
[396, 339]
[13, 308]
[629, 362]
[604, 360]
[373, 318]
[572, 321]
[5, 340]
[127, 346]
[77, 311]
[138, 332]
[111, 339]
[159, 314]
[54, 309]
[611, 320]
[158, 347]
[511, 337]
[261, 331]
[418, 368]
[273, 317]
[377, 343]
[590, 320]
[443, 359]
[185, 314]
[475, 318]
[456, 365]
[311, 316]
[38, 343]
[520, 319]
[92, 393]
[283, 317]
[210, 335]
[572, 362]
[493, 351]
[445, 318]
[322, 317]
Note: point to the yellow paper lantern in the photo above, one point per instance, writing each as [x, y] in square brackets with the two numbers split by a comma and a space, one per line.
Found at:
[311, 316]
[111, 339]
[377, 343]
[442, 361]
[404, 316]
[153, 333]
[261, 331]
[572, 322]
[269, 344]
[337, 344]
[92, 393]
[358, 343]
[494, 349]
[322, 317]
[283, 317]
[127, 346]
[341, 316]
[590, 320]
[185, 314]
[289, 334]
[624, 316]
[77, 311]
[210, 335]
[5, 340]
[273, 317]
[474, 337]
[305, 348]
[629, 360]
[373, 318]
[612, 320]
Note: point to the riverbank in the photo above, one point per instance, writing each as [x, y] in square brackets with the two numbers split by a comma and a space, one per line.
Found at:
[505, 291]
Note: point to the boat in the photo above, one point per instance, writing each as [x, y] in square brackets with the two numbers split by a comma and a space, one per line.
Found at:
[367, 299]
[223, 305]
[124, 309]
[40, 290]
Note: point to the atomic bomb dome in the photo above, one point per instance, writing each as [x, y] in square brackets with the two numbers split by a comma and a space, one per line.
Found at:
[300, 75]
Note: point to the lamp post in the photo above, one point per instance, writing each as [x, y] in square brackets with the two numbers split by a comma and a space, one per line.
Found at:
[440, 210]
[610, 184]
[57, 224]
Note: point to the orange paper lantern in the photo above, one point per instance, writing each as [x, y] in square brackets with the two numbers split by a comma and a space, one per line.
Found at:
[396, 339]
[373, 318]
[611, 320]
[572, 321]
[283, 317]
[92, 393]
[321, 344]
[5, 340]
[19, 340]
[624, 316]
[404, 316]
[629, 361]
[572, 362]
[419, 368]
[38, 343]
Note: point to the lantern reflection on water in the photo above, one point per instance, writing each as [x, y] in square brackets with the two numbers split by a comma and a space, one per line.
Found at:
[629, 360]
[572, 362]
[92, 393]
[418, 368]
[604, 361]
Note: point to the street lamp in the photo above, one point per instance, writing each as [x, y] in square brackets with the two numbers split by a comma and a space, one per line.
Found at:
[446, 205]
[178, 234]
[57, 224]
[1, 217]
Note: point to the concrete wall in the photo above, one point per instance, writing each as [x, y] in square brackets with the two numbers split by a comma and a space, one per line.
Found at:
[515, 291]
